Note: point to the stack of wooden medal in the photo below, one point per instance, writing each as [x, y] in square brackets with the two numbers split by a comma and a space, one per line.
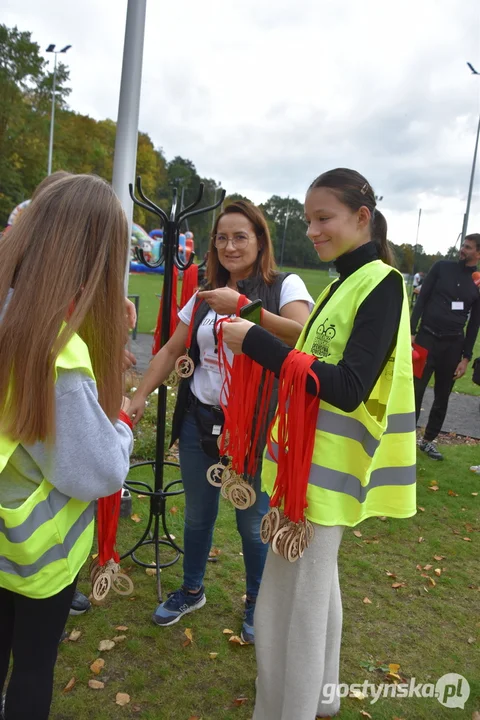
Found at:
[108, 577]
[288, 539]
[234, 487]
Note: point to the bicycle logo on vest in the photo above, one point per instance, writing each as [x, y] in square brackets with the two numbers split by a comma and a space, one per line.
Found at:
[325, 335]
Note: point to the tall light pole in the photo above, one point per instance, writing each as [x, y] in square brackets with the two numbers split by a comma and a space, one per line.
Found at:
[284, 232]
[126, 138]
[51, 49]
[472, 176]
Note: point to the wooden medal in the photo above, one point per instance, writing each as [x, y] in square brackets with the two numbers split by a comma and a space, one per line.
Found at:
[184, 366]
[214, 474]
[266, 528]
[101, 586]
[122, 584]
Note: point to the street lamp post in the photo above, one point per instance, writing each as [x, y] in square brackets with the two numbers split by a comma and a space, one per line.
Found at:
[284, 232]
[51, 49]
[472, 176]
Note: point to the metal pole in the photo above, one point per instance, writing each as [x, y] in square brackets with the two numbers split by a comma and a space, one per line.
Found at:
[416, 244]
[284, 232]
[214, 216]
[52, 117]
[470, 189]
[125, 157]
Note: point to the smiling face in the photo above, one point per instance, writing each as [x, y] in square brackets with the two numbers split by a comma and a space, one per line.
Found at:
[333, 227]
[239, 261]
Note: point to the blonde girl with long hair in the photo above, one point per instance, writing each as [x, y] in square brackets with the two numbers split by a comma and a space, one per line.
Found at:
[64, 438]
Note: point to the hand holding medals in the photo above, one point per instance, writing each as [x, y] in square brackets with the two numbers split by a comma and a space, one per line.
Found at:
[184, 366]
[294, 423]
[247, 389]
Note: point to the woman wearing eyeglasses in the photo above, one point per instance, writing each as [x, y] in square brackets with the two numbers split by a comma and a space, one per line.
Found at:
[240, 262]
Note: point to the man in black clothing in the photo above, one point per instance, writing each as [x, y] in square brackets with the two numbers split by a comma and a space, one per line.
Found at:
[449, 299]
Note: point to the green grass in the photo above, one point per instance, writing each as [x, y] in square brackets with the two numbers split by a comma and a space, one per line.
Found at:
[427, 633]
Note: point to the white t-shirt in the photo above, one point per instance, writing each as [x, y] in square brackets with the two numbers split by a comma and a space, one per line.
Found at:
[207, 380]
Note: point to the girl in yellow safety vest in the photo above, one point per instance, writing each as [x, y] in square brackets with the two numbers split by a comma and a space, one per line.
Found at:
[64, 438]
[363, 461]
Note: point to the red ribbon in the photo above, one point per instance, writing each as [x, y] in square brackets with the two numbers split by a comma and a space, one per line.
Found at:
[189, 284]
[243, 400]
[157, 336]
[296, 420]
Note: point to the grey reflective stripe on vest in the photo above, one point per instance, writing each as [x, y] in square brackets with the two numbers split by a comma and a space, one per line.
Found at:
[41, 513]
[350, 427]
[338, 481]
[401, 423]
[56, 552]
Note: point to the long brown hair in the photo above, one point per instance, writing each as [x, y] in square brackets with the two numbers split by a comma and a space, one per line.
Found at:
[65, 260]
[265, 267]
[354, 191]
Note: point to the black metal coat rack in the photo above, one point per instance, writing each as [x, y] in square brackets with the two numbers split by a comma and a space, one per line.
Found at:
[159, 494]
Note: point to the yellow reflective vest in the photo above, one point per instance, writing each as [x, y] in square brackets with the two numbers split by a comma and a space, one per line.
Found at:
[45, 541]
[363, 462]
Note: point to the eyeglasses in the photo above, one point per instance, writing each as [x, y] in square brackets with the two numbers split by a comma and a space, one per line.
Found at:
[239, 240]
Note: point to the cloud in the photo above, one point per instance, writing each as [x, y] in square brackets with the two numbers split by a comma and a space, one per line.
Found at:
[265, 96]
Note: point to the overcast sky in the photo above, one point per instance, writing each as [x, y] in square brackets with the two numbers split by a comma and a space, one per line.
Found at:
[263, 95]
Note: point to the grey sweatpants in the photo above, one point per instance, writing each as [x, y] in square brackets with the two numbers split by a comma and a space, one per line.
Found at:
[298, 627]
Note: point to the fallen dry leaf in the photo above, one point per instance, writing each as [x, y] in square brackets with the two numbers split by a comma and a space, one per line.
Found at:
[122, 627]
[119, 638]
[467, 539]
[452, 493]
[364, 713]
[433, 487]
[471, 640]
[97, 666]
[173, 510]
[422, 509]
[151, 571]
[189, 636]
[394, 667]
[96, 684]
[212, 656]
[236, 640]
[428, 567]
[389, 574]
[432, 582]
[122, 699]
[383, 518]
[74, 635]
[397, 585]
[357, 694]
[421, 539]
[437, 572]
[214, 552]
[476, 715]
[227, 632]
[357, 533]
[456, 532]
[240, 700]
[474, 494]
[140, 497]
[105, 645]
[194, 717]
[70, 685]
[439, 558]
[419, 567]
[367, 601]
[135, 517]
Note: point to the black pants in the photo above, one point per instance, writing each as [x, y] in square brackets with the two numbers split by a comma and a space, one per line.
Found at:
[30, 631]
[443, 358]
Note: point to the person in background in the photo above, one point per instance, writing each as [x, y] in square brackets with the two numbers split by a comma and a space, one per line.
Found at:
[65, 438]
[449, 302]
[240, 261]
[358, 337]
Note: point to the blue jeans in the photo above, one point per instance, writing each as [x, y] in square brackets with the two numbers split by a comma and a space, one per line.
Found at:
[201, 510]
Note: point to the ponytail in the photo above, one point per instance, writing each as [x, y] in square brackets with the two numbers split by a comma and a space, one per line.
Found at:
[354, 191]
[379, 236]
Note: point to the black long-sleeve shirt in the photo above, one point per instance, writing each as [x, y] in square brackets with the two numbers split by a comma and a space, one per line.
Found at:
[371, 342]
[449, 282]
